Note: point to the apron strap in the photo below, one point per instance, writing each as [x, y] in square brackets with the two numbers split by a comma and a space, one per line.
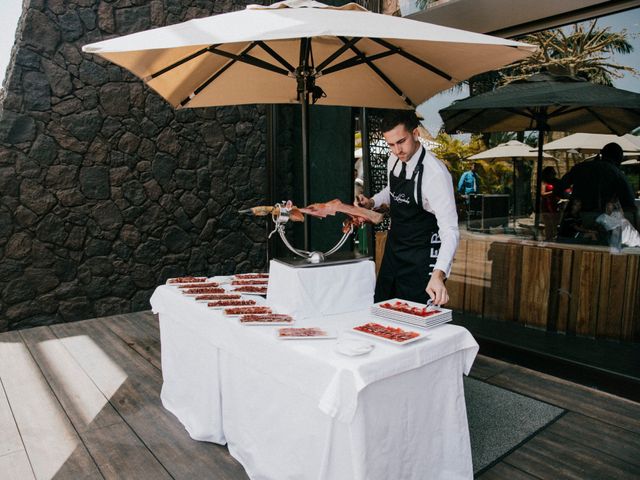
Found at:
[393, 169]
[418, 171]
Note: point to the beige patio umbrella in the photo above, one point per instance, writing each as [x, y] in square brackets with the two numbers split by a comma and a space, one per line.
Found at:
[510, 150]
[593, 142]
[302, 51]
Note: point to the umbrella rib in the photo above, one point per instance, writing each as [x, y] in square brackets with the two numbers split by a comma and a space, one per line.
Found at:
[413, 58]
[217, 74]
[276, 56]
[178, 63]
[354, 61]
[337, 53]
[605, 123]
[380, 73]
[245, 58]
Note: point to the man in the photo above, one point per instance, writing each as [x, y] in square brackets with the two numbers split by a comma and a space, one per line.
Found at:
[598, 182]
[424, 234]
[468, 184]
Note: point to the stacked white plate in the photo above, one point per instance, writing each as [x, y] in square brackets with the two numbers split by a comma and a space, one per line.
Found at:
[443, 315]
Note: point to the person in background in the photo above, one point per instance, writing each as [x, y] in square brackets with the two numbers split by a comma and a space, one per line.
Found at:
[423, 237]
[598, 182]
[549, 207]
[469, 181]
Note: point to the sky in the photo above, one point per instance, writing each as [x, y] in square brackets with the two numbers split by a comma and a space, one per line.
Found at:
[429, 110]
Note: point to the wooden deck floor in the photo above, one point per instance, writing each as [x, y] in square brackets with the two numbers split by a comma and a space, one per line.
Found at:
[81, 400]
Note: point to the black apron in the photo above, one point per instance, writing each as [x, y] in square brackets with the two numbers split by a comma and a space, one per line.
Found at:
[412, 244]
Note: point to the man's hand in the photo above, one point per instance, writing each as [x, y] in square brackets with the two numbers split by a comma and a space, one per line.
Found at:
[362, 201]
[436, 289]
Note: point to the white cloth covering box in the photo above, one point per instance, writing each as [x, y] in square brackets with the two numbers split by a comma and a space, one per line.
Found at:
[322, 290]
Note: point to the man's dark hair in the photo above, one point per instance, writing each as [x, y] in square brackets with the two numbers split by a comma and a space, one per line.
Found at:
[392, 118]
[612, 152]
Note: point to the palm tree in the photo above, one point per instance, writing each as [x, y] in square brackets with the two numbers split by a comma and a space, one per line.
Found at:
[584, 51]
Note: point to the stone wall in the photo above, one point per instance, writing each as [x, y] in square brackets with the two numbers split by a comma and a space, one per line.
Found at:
[105, 190]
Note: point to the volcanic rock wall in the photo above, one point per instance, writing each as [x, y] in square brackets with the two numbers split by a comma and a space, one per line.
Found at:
[105, 190]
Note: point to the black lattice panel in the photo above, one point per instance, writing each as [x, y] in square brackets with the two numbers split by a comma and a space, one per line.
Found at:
[378, 154]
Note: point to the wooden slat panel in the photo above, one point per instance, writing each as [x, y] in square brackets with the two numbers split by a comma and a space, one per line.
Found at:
[613, 441]
[116, 449]
[503, 270]
[571, 396]
[631, 314]
[588, 293]
[564, 290]
[137, 400]
[612, 292]
[456, 281]
[476, 276]
[52, 444]
[535, 284]
[574, 291]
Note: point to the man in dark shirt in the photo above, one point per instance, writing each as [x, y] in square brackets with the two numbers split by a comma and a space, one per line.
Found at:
[598, 182]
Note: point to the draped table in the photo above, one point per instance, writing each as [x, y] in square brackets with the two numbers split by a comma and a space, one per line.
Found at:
[299, 409]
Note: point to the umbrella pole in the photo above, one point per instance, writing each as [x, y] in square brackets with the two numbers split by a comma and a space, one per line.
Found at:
[515, 193]
[538, 185]
[305, 162]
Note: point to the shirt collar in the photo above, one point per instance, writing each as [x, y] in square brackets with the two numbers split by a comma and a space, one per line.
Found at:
[411, 164]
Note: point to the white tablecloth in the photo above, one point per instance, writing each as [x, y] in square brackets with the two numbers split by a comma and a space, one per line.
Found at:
[322, 290]
[298, 409]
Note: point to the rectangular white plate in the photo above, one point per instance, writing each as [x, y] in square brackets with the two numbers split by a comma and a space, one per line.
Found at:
[329, 334]
[266, 324]
[420, 336]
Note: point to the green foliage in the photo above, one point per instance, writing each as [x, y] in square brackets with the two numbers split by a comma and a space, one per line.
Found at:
[495, 176]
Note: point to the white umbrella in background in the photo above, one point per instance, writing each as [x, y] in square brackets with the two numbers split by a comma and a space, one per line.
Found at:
[302, 51]
[511, 150]
[593, 143]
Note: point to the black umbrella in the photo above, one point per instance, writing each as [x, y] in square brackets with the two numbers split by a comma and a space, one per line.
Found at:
[546, 102]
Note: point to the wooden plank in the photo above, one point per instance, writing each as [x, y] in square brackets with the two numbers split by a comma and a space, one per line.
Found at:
[475, 276]
[608, 439]
[15, 466]
[50, 441]
[607, 408]
[116, 449]
[456, 281]
[588, 292]
[612, 296]
[502, 270]
[10, 440]
[535, 285]
[137, 332]
[504, 471]
[631, 313]
[574, 291]
[485, 367]
[550, 456]
[137, 400]
[564, 290]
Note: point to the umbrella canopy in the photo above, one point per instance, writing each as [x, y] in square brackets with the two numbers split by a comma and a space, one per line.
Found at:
[301, 51]
[508, 150]
[267, 54]
[546, 102]
[593, 142]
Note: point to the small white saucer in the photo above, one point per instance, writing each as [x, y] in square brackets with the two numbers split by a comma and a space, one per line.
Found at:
[353, 347]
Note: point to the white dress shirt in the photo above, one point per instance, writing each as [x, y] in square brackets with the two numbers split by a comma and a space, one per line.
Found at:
[437, 198]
